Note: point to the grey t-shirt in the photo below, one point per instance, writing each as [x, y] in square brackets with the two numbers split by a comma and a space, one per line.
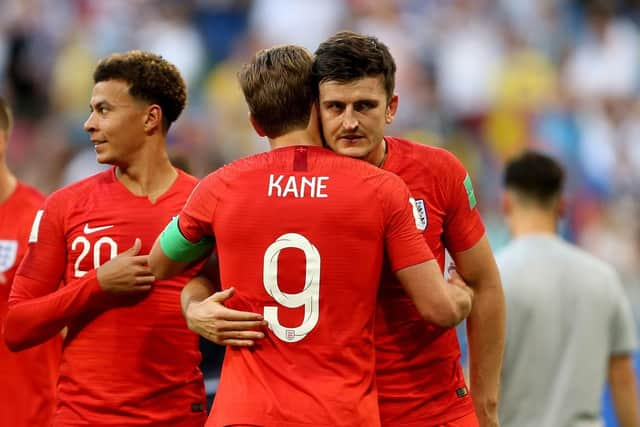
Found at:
[567, 313]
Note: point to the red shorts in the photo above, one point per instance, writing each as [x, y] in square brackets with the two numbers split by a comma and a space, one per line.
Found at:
[469, 420]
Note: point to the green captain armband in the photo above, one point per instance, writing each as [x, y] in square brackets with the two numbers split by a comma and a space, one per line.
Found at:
[176, 247]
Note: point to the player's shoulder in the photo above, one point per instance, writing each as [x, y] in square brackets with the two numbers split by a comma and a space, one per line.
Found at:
[356, 170]
[80, 189]
[186, 180]
[29, 195]
[566, 254]
[297, 158]
[587, 262]
[435, 157]
[233, 169]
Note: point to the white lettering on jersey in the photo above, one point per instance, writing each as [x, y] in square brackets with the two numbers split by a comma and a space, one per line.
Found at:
[35, 227]
[274, 184]
[297, 186]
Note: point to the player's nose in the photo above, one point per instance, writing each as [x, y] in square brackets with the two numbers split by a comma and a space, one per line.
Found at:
[349, 121]
[89, 124]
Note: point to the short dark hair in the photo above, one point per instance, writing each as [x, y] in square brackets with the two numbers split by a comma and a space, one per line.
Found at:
[6, 117]
[151, 79]
[534, 176]
[349, 56]
[277, 85]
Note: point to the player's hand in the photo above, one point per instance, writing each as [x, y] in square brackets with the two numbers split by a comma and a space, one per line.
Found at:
[127, 273]
[213, 321]
[456, 280]
[462, 294]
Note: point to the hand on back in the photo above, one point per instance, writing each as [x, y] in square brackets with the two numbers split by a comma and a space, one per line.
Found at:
[213, 321]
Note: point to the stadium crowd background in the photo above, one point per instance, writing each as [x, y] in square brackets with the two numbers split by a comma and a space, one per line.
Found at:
[482, 78]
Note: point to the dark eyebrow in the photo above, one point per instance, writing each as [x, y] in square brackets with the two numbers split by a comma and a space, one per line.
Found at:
[99, 105]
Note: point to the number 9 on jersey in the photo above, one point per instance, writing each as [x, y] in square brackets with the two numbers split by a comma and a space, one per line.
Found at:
[309, 297]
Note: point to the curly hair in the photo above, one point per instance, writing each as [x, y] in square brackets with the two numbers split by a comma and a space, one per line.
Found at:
[151, 78]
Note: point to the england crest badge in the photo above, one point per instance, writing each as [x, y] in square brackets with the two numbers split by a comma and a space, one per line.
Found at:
[8, 252]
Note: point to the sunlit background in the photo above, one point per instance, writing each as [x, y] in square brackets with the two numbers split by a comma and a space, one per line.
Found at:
[481, 78]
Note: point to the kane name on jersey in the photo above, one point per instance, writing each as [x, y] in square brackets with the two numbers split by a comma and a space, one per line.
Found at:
[297, 186]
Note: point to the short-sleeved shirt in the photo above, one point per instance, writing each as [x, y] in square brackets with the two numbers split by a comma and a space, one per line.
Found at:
[420, 379]
[301, 234]
[127, 360]
[27, 388]
[567, 315]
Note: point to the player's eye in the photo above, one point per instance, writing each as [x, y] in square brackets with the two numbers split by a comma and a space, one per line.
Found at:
[364, 106]
[334, 106]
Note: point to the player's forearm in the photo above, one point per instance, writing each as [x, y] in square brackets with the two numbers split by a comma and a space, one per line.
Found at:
[486, 331]
[624, 391]
[32, 321]
[433, 297]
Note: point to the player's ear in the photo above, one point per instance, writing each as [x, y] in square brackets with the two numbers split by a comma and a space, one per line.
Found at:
[153, 118]
[392, 108]
[506, 204]
[561, 207]
[314, 119]
[256, 126]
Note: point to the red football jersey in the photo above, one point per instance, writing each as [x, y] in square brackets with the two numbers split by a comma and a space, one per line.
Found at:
[127, 360]
[301, 234]
[420, 380]
[27, 388]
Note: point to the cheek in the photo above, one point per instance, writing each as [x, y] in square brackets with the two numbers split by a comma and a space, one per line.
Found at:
[375, 125]
[329, 126]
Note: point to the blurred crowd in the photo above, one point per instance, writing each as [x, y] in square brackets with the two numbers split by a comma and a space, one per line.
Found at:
[482, 78]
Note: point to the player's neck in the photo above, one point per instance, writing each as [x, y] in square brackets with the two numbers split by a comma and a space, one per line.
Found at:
[8, 182]
[525, 222]
[296, 137]
[378, 155]
[151, 177]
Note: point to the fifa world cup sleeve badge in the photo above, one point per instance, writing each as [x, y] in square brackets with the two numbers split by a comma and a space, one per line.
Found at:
[468, 186]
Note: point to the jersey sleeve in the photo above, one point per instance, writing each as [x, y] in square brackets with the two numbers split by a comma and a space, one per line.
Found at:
[622, 327]
[38, 307]
[195, 219]
[404, 244]
[463, 225]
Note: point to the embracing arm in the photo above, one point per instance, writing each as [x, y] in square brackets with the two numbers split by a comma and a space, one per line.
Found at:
[207, 316]
[172, 253]
[440, 303]
[485, 327]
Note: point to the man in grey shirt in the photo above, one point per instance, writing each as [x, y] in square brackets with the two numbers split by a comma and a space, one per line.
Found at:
[569, 323]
